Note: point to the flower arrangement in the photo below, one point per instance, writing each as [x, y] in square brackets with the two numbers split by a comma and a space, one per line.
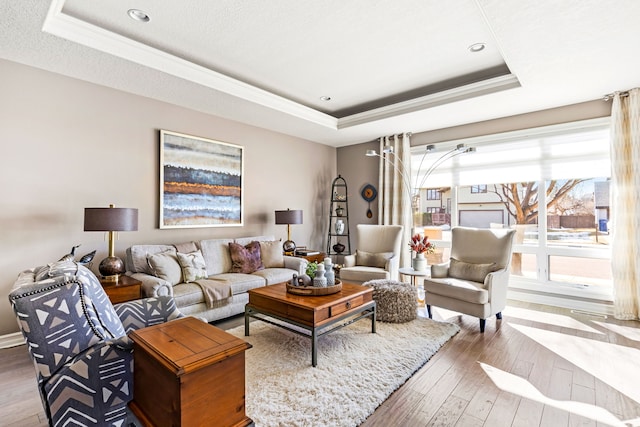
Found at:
[421, 244]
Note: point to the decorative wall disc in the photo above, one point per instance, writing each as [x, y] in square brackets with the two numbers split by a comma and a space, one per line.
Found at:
[369, 193]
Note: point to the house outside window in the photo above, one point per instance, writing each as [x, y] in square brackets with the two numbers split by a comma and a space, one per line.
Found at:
[434, 194]
[475, 189]
[563, 248]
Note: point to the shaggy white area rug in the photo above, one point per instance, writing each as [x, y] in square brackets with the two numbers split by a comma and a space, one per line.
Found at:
[356, 371]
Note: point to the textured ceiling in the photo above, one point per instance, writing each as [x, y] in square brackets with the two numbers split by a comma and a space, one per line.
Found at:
[388, 66]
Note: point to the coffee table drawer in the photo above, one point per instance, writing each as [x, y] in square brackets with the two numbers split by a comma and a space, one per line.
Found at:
[337, 309]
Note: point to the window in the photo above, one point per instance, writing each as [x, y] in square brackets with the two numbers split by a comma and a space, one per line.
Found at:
[433, 194]
[475, 189]
[562, 248]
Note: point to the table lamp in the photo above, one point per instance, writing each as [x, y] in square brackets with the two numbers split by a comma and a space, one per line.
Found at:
[289, 217]
[111, 220]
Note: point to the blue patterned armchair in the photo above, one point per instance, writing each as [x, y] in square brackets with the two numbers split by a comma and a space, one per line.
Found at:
[77, 340]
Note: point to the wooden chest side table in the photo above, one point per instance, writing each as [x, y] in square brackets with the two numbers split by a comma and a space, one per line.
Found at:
[319, 257]
[125, 289]
[188, 373]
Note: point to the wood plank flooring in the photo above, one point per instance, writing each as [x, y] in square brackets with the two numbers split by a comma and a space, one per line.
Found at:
[566, 357]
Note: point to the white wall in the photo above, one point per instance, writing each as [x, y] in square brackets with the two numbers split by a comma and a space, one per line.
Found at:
[68, 144]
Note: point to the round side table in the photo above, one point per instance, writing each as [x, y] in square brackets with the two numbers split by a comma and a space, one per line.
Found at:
[408, 271]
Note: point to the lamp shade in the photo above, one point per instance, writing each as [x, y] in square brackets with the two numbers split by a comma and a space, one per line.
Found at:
[110, 219]
[289, 217]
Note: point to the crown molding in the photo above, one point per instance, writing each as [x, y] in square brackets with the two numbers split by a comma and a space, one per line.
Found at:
[75, 30]
[67, 27]
[461, 93]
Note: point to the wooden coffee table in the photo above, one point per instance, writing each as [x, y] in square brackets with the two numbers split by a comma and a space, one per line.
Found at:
[317, 315]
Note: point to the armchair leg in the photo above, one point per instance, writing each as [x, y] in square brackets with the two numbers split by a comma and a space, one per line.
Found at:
[498, 316]
[429, 311]
[482, 323]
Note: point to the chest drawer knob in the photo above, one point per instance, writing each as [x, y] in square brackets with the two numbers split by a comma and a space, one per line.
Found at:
[348, 305]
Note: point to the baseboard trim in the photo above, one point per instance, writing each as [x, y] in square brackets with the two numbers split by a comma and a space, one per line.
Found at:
[11, 340]
[591, 306]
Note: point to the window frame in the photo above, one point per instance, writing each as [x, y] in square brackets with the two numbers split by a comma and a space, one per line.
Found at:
[542, 283]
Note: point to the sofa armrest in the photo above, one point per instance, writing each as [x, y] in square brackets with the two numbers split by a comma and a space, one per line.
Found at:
[153, 286]
[349, 260]
[145, 312]
[440, 270]
[296, 263]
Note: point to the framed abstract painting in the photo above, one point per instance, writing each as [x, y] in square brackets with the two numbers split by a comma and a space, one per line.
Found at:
[200, 182]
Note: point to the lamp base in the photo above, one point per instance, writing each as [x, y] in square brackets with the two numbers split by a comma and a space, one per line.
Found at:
[111, 267]
[289, 246]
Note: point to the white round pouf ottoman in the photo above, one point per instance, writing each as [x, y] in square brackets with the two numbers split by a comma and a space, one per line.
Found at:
[396, 302]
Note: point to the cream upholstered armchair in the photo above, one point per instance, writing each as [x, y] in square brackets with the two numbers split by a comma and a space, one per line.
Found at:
[377, 256]
[474, 281]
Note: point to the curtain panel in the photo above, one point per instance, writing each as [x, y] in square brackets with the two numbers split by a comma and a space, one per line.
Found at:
[625, 177]
[394, 203]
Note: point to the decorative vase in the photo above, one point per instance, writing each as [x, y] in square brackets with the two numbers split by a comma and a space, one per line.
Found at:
[338, 248]
[328, 272]
[339, 211]
[320, 281]
[339, 226]
[419, 262]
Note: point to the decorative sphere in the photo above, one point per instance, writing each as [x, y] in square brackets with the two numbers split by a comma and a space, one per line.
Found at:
[111, 266]
[289, 246]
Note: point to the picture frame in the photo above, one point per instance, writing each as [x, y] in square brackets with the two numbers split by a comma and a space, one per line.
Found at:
[201, 182]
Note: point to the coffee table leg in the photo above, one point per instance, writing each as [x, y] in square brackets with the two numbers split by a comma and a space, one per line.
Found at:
[314, 348]
[373, 320]
[246, 322]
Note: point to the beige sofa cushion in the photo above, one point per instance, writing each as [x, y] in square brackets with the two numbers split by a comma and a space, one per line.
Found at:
[216, 255]
[165, 266]
[137, 256]
[240, 282]
[271, 254]
[192, 265]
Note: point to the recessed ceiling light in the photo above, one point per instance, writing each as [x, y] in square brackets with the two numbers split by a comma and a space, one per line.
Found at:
[138, 15]
[477, 47]
[325, 98]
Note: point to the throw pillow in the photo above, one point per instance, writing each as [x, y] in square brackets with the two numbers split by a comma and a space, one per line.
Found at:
[245, 259]
[192, 265]
[271, 254]
[373, 259]
[467, 271]
[165, 266]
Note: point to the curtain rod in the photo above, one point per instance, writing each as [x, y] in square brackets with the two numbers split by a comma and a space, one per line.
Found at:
[609, 96]
[400, 135]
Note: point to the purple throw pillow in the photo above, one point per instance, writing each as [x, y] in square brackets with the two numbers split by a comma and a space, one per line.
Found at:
[245, 259]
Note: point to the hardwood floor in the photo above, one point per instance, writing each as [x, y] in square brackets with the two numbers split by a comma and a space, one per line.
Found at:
[549, 358]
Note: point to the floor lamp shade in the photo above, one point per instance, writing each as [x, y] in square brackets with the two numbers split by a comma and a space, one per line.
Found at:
[289, 217]
[111, 220]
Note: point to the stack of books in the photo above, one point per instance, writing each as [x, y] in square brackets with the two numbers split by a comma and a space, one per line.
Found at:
[306, 252]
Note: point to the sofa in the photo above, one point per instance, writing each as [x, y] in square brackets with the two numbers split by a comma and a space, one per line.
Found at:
[228, 267]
